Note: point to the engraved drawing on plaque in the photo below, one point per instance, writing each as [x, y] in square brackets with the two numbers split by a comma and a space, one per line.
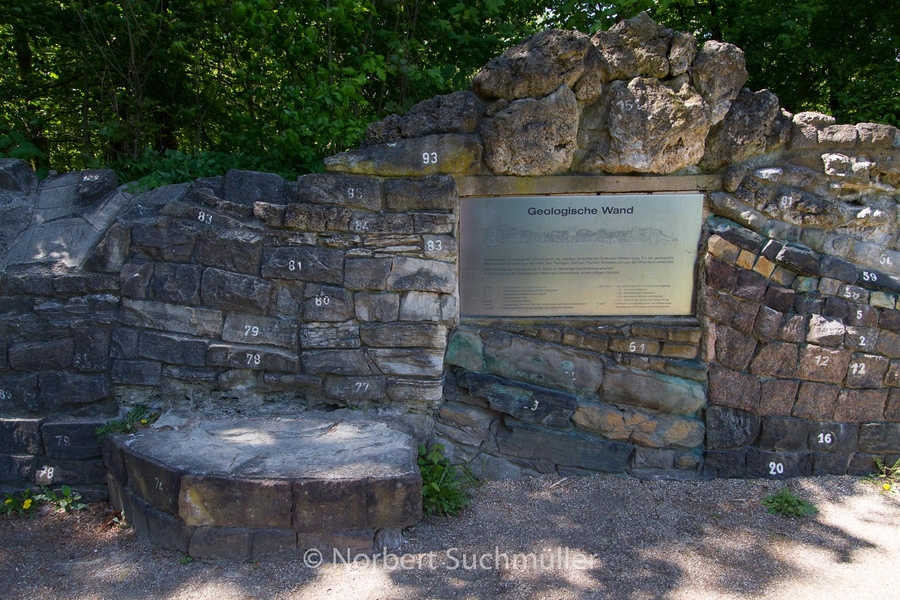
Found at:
[622, 254]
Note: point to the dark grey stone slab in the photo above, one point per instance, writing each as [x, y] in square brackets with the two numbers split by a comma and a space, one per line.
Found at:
[730, 428]
[263, 358]
[341, 190]
[201, 322]
[565, 448]
[247, 187]
[232, 291]
[305, 263]
[20, 436]
[252, 329]
[42, 355]
[172, 349]
[231, 250]
[71, 439]
[136, 372]
[177, 283]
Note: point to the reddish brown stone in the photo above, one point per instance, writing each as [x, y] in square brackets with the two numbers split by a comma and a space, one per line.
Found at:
[776, 397]
[768, 321]
[778, 359]
[859, 406]
[815, 401]
[892, 409]
[793, 329]
[745, 317]
[719, 307]
[720, 275]
[734, 389]
[818, 363]
[750, 286]
[733, 349]
[866, 371]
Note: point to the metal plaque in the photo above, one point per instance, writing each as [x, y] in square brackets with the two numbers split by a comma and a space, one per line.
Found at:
[618, 254]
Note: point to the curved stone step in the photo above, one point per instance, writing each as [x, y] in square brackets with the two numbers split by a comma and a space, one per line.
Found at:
[262, 489]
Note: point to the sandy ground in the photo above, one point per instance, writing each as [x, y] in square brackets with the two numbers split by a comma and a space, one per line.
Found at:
[592, 537]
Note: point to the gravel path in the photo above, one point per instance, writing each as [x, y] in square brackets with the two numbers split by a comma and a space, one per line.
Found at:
[591, 537]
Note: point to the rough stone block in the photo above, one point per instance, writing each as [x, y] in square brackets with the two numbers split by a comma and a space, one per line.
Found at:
[136, 372]
[341, 190]
[111, 447]
[72, 439]
[394, 502]
[565, 448]
[527, 403]
[833, 437]
[417, 362]
[828, 365]
[168, 532]
[232, 291]
[341, 545]
[231, 250]
[305, 263]
[835, 268]
[778, 465]
[172, 349]
[750, 286]
[355, 390]
[263, 358]
[17, 469]
[206, 500]
[859, 406]
[91, 350]
[323, 335]
[830, 464]
[273, 544]
[179, 284]
[341, 362]
[381, 223]
[422, 275]
[312, 217]
[63, 389]
[815, 401]
[124, 343]
[166, 240]
[879, 438]
[414, 391]
[723, 249]
[329, 505]
[726, 465]
[404, 335]
[270, 214]
[42, 355]
[523, 358]
[634, 346]
[653, 391]
[862, 465]
[779, 298]
[431, 193]
[777, 397]
[56, 471]
[435, 223]
[367, 273]
[201, 322]
[836, 308]
[867, 371]
[21, 436]
[768, 323]
[252, 329]
[730, 428]
[777, 359]
[784, 434]
[888, 344]
[808, 303]
[326, 303]
[892, 408]
[889, 319]
[734, 389]
[135, 279]
[377, 307]
[825, 332]
[799, 259]
[221, 543]
[247, 187]
[153, 482]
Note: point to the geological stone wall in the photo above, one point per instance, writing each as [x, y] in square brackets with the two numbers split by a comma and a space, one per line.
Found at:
[247, 294]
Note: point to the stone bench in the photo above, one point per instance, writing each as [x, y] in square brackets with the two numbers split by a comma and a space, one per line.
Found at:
[265, 489]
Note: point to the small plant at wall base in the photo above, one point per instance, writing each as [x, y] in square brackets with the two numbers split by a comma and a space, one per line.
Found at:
[888, 475]
[65, 500]
[22, 504]
[786, 503]
[138, 417]
[445, 488]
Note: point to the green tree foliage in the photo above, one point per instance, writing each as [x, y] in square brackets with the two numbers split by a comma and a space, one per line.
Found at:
[193, 87]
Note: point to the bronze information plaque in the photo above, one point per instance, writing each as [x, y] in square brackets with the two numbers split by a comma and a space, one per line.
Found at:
[618, 254]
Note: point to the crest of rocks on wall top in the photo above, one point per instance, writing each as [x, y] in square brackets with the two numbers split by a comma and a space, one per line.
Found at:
[637, 98]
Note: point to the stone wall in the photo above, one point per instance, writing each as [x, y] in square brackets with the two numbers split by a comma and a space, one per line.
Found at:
[248, 294]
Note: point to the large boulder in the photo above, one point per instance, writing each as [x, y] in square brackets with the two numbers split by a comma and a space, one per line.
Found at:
[637, 47]
[718, 73]
[643, 126]
[535, 67]
[458, 112]
[533, 137]
[755, 125]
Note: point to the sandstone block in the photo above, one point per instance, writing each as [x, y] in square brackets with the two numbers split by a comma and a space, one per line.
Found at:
[653, 391]
[565, 448]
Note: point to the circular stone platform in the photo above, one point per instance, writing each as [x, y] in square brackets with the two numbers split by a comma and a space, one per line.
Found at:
[263, 489]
